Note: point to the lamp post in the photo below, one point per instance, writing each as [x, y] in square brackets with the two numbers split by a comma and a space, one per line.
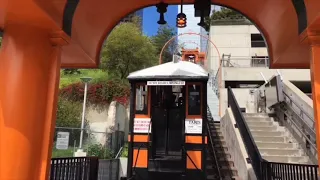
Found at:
[86, 81]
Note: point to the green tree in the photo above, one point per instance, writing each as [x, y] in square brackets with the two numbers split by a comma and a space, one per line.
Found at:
[137, 21]
[164, 34]
[69, 116]
[223, 14]
[127, 50]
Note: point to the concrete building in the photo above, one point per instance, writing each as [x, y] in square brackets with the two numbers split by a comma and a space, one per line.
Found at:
[204, 40]
[241, 62]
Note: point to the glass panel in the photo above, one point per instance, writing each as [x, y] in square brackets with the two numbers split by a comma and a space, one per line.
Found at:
[142, 99]
[194, 99]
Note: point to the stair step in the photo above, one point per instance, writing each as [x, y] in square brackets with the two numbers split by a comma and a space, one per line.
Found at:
[214, 127]
[228, 171]
[221, 151]
[276, 145]
[223, 158]
[166, 170]
[260, 123]
[280, 152]
[214, 177]
[218, 147]
[287, 159]
[219, 141]
[226, 163]
[269, 139]
[225, 171]
[215, 133]
[217, 137]
[256, 115]
[221, 148]
[215, 130]
[263, 128]
[267, 133]
[223, 155]
[211, 163]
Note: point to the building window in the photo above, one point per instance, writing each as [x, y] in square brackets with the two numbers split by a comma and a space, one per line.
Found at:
[141, 99]
[194, 99]
[257, 40]
[259, 61]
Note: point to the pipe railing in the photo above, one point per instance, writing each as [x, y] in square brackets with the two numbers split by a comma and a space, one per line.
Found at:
[211, 143]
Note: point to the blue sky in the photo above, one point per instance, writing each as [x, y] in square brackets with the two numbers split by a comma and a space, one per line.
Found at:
[151, 16]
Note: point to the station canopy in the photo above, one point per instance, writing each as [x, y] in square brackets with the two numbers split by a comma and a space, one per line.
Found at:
[171, 71]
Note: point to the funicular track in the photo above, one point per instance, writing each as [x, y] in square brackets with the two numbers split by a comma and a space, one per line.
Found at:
[219, 163]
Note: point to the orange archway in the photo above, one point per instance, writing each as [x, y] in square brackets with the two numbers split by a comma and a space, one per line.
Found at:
[42, 36]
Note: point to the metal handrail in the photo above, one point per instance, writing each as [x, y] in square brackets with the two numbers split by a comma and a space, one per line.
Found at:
[298, 128]
[213, 150]
[234, 61]
[252, 149]
[295, 113]
[305, 113]
[119, 153]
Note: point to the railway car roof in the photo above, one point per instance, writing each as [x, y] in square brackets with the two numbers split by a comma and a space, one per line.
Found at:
[171, 70]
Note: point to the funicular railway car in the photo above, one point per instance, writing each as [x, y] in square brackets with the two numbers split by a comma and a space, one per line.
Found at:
[168, 113]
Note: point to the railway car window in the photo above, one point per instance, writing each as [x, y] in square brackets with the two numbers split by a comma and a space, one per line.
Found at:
[194, 99]
[142, 99]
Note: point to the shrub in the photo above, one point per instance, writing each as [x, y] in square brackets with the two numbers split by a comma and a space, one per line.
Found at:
[98, 93]
[125, 151]
[69, 116]
[100, 151]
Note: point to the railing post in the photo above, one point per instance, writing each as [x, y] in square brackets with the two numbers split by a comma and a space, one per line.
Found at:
[93, 168]
[229, 94]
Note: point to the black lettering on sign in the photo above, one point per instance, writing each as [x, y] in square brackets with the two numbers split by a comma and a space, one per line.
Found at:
[194, 122]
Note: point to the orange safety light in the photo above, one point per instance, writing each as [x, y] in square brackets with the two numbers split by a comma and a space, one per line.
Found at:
[181, 20]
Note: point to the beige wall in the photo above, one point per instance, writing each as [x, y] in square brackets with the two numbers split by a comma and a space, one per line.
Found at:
[105, 119]
[236, 40]
[236, 147]
[253, 74]
[243, 97]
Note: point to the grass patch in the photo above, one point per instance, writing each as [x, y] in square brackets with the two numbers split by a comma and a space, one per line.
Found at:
[97, 76]
[57, 153]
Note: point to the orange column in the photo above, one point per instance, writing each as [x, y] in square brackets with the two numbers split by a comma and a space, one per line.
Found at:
[29, 79]
[315, 80]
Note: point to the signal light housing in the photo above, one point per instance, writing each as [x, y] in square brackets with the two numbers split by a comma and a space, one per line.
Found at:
[181, 20]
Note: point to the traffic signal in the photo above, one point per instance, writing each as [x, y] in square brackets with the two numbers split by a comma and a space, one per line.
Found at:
[181, 20]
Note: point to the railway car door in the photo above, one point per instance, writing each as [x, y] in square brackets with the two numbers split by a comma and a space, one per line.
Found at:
[168, 114]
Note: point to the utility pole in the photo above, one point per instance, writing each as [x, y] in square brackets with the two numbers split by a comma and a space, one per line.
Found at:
[80, 151]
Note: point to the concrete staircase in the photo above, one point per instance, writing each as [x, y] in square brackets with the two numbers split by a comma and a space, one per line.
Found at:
[213, 103]
[225, 163]
[274, 142]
